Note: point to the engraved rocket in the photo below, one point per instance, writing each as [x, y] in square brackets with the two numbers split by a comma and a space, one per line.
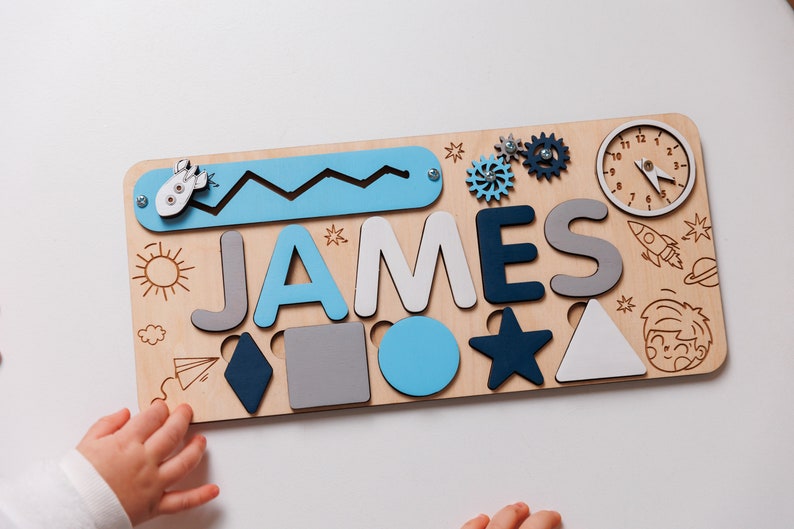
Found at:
[658, 247]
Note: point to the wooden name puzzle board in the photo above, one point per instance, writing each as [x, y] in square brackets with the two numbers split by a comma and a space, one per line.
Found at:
[379, 272]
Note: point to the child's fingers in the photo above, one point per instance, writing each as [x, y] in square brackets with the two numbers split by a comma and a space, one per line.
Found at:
[184, 462]
[171, 433]
[107, 425]
[510, 517]
[176, 501]
[480, 522]
[542, 520]
[143, 425]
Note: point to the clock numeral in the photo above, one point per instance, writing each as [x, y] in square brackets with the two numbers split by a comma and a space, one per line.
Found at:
[640, 138]
[676, 166]
[669, 151]
[625, 144]
[615, 156]
[619, 186]
[648, 199]
[656, 140]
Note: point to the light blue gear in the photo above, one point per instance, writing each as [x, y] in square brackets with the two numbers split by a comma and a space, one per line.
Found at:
[490, 178]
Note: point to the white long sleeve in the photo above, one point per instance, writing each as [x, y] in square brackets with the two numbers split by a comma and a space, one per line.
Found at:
[67, 495]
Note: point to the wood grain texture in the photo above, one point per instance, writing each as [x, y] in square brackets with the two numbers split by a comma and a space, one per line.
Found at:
[199, 284]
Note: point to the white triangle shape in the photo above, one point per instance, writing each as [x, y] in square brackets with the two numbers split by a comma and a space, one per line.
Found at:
[598, 350]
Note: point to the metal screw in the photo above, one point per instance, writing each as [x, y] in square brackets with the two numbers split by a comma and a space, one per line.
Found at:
[490, 176]
[648, 165]
[433, 174]
[510, 146]
[141, 201]
[545, 154]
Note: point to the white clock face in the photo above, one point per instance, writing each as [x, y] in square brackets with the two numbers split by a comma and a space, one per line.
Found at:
[646, 168]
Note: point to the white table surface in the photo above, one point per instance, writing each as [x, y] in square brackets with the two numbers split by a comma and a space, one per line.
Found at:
[87, 89]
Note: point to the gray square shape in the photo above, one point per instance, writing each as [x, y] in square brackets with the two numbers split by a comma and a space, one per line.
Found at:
[326, 365]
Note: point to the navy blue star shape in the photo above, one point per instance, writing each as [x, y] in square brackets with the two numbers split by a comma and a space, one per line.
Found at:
[512, 351]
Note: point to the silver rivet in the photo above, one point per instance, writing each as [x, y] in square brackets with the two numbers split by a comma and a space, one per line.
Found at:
[648, 165]
[490, 176]
[433, 174]
[141, 201]
[545, 153]
[510, 146]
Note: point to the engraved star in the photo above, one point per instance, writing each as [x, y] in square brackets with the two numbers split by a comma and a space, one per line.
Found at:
[697, 228]
[625, 305]
[512, 351]
[334, 236]
[454, 151]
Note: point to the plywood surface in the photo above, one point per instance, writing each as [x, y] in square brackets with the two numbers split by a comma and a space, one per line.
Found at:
[664, 303]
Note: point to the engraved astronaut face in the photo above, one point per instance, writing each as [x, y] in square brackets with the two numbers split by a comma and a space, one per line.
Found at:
[669, 353]
[677, 335]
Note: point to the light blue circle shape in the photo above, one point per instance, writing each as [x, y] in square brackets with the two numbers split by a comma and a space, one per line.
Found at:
[418, 356]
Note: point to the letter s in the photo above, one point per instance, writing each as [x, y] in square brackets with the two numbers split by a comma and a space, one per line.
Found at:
[559, 236]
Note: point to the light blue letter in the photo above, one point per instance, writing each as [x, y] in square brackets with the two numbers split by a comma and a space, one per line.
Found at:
[275, 292]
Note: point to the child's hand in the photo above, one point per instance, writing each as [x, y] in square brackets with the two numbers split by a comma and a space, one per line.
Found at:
[132, 455]
[512, 516]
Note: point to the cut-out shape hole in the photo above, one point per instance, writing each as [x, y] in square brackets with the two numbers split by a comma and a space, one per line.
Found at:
[575, 313]
[277, 345]
[227, 347]
[494, 321]
[297, 274]
[378, 330]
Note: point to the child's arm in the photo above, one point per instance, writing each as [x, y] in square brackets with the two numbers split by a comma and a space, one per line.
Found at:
[515, 516]
[136, 458]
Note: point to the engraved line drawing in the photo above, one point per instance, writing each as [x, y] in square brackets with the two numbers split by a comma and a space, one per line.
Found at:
[292, 195]
[697, 229]
[334, 236]
[677, 335]
[152, 334]
[162, 390]
[162, 271]
[704, 273]
[625, 304]
[454, 151]
[658, 246]
[187, 371]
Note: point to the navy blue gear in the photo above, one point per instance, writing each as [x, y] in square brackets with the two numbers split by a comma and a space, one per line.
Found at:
[552, 163]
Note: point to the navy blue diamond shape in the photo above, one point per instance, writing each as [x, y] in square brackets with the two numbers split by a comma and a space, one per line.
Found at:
[248, 373]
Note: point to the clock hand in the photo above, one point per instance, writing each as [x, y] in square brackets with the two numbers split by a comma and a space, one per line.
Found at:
[662, 174]
[647, 168]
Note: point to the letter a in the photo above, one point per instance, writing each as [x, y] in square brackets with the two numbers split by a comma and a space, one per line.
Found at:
[275, 292]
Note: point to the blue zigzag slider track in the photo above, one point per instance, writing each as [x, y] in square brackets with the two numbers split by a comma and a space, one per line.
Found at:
[331, 190]
[292, 195]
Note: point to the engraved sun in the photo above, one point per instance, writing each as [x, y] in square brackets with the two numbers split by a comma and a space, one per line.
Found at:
[161, 271]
